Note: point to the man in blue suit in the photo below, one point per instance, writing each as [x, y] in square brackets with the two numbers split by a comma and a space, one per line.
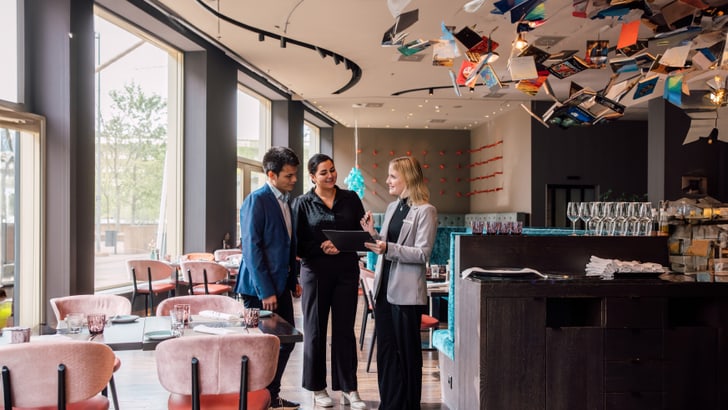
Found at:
[268, 271]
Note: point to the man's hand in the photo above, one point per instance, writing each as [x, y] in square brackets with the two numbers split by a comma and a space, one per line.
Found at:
[270, 303]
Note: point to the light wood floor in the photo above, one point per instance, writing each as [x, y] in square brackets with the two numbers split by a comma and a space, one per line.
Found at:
[139, 389]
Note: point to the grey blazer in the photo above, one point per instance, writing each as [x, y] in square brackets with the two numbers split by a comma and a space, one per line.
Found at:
[409, 255]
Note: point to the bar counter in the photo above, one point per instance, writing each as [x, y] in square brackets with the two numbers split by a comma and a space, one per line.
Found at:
[583, 342]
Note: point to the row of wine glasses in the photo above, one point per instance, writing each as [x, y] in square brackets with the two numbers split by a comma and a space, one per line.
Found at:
[612, 218]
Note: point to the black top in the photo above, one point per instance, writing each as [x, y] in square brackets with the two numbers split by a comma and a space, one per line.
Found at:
[395, 227]
[312, 215]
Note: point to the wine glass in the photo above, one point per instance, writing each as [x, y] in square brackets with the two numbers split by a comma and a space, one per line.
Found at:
[585, 215]
[645, 218]
[633, 225]
[597, 213]
[572, 212]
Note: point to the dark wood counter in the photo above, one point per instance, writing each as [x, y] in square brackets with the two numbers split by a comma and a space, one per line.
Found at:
[586, 343]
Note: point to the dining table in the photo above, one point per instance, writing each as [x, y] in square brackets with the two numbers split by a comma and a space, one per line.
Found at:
[145, 333]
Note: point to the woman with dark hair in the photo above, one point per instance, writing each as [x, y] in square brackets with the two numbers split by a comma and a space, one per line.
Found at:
[404, 246]
[330, 281]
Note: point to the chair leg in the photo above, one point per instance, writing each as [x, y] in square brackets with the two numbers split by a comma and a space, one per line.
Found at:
[114, 397]
[371, 349]
[151, 303]
[363, 328]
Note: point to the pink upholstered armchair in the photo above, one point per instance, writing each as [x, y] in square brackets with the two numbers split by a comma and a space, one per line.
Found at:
[110, 305]
[151, 277]
[33, 369]
[203, 277]
[218, 363]
[224, 254]
[198, 303]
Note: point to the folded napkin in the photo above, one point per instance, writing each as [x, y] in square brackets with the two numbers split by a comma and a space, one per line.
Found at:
[606, 268]
[218, 315]
[212, 330]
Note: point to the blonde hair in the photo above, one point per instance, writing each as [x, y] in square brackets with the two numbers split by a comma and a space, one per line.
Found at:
[414, 180]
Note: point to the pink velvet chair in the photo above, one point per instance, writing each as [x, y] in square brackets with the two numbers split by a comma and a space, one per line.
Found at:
[224, 254]
[151, 277]
[203, 277]
[221, 377]
[197, 256]
[198, 303]
[34, 371]
[110, 305]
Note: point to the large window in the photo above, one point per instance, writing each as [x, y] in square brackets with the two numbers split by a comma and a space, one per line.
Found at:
[138, 149]
[9, 47]
[22, 162]
[254, 125]
[311, 145]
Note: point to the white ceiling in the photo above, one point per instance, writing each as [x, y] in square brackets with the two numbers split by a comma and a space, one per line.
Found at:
[353, 29]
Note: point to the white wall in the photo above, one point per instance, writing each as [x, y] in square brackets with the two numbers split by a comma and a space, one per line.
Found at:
[514, 129]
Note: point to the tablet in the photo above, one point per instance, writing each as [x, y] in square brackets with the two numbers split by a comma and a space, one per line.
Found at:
[349, 241]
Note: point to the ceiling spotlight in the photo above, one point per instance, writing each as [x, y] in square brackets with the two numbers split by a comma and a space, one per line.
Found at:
[337, 59]
[321, 52]
[521, 42]
[283, 42]
[261, 37]
[431, 91]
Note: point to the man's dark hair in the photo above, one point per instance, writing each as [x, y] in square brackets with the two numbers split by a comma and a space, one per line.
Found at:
[278, 157]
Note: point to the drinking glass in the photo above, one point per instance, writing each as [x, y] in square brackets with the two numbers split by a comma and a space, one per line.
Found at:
[74, 321]
[477, 227]
[597, 215]
[96, 323]
[585, 215]
[251, 317]
[645, 218]
[572, 212]
[633, 210]
[182, 311]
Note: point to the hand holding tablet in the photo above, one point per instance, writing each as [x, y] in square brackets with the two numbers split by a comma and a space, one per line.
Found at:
[349, 241]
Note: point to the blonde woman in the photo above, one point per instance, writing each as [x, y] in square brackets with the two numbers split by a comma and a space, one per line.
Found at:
[404, 246]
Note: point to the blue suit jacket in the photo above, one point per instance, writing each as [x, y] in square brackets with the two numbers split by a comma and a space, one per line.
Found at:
[268, 266]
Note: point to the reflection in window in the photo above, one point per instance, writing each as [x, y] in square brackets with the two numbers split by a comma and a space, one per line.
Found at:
[137, 144]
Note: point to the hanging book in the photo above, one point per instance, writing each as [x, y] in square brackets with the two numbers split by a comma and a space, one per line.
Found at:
[490, 78]
[568, 67]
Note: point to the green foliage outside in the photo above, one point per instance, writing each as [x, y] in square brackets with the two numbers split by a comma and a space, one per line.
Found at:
[132, 147]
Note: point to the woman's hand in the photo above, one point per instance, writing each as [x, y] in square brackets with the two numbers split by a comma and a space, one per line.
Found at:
[329, 248]
[378, 247]
[367, 222]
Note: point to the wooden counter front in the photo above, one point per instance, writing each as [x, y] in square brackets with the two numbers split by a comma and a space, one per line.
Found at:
[586, 343]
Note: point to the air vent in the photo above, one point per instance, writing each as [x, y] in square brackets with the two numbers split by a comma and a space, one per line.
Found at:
[414, 58]
[373, 105]
[494, 95]
[436, 121]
